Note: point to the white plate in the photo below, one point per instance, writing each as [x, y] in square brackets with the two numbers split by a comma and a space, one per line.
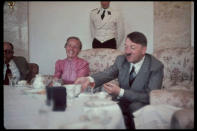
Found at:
[86, 95]
[33, 90]
[96, 96]
[25, 86]
[99, 103]
[82, 125]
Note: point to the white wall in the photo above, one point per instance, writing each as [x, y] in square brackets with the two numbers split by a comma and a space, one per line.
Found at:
[192, 24]
[15, 27]
[51, 23]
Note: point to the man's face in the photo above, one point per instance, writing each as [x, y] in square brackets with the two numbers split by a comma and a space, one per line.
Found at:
[72, 48]
[134, 52]
[8, 52]
[105, 4]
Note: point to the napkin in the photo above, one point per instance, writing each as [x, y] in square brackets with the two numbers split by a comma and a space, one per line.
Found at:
[22, 82]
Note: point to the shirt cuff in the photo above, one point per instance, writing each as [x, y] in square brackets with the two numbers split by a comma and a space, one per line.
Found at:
[121, 93]
[91, 79]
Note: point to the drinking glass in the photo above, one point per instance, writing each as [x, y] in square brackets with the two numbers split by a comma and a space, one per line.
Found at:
[48, 80]
[70, 94]
[90, 89]
[91, 86]
[77, 90]
[57, 82]
[12, 80]
[73, 91]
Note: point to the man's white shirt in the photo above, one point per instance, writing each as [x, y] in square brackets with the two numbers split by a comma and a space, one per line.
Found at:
[137, 69]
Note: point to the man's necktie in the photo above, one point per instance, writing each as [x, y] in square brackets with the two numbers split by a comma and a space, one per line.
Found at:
[8, 72]
[132, 76]
[103, 15]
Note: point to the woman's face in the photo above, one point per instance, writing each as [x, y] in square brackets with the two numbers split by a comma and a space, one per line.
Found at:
[72, 48]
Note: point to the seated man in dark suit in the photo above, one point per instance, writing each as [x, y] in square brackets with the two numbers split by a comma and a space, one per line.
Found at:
[138, 73]
[16, 66]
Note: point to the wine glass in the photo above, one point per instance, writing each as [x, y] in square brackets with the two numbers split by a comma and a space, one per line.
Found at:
[91, 86]
[48, 80]
[57, 82]
[32, 81]
[77, 90]
[12, 80]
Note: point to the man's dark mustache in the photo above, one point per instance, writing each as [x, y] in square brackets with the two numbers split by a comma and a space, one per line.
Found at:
[129, 54]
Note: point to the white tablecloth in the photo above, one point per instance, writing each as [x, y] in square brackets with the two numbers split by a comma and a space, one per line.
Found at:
[154, 116]
[29, 111]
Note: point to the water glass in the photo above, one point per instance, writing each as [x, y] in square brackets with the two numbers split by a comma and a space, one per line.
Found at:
[48, 80]
[73, 91]
[12, 80]
[70, 94]
[57, 82]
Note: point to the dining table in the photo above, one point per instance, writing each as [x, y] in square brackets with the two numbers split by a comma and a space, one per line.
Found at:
[26, 109]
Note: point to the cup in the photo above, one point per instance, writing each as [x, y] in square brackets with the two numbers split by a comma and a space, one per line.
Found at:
[73, 90]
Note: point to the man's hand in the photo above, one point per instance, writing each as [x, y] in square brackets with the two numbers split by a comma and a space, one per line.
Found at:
[83, 81]
[112, 88]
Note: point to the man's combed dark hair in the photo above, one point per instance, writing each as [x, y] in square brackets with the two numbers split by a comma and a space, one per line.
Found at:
[12, 47]
[138, 38]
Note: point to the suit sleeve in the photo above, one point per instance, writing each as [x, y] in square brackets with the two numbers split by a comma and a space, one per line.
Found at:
[107, 75]
[154, 82]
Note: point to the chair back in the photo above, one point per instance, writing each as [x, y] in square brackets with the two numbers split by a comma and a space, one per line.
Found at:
[99, 58]
[178, 65]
